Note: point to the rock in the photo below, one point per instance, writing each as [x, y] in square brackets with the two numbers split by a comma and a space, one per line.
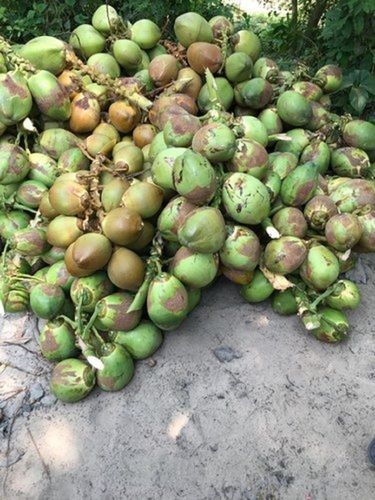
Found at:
[36, 392]
[48, 400]
[358, 274]
[226, 354]
[26, 409]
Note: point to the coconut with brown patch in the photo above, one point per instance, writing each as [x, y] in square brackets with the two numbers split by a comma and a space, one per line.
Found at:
[318, 152]
[42, 168]
[72, 380]
[215, 141]
[112, 313]
[57, 340]
[203, 55]
[203, 230]
[54, 141]
[194, 84]
[14, 164]
[167, 301]
[72, 160]
[30, 241]
[144, 134]
[179, 129]
[271, 120]
[163, 69]
[299, 186]
[350, 162]
[320, 268]
[117, 367]
[58, 274]
[285, 255]
[290, 221]
[221, 27]
[194, 178]
[237, 276]
[266, 68]
[165, 101]
[250, 157]
[352, 194]
[85, 113]
[194, 269]
[255, 93]
[15, 98]
[366, 242]
[11, 221]
[124, 116]
[241, 249]
[46, 300]
[50, 96]
[329, 78]
[310, 90]
[162, 167]
[172, 217]
[319, 117]
[88, 290]
[343, 231]
[172, 111]
[71, 82]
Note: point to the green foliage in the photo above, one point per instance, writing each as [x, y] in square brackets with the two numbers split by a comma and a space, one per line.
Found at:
[347, 39]
[348, 34]
[53, 17]
[357, 94]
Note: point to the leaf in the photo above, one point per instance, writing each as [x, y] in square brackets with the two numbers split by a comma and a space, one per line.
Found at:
[368, 82]
[278, 281]
[358, 99]
[359, 24]
[347, 81]
[367, 6]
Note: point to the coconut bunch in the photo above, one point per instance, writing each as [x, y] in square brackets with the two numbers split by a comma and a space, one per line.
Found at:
[135, 170]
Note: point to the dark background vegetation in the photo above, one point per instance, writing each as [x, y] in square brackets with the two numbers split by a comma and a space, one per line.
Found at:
[314, 32]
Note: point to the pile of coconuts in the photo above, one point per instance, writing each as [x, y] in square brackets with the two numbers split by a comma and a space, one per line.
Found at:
[134, 170]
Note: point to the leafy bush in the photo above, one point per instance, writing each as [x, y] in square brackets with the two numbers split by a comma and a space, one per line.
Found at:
[56, 18]
[348, 39]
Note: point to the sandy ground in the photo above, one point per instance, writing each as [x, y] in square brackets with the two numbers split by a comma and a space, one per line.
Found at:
[241, 404]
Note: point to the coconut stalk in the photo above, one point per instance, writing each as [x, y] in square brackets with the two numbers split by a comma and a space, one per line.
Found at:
[14, 59]
[114, 84]
[153, 268]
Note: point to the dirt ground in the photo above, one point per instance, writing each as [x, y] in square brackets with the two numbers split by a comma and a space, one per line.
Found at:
[241, 404]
